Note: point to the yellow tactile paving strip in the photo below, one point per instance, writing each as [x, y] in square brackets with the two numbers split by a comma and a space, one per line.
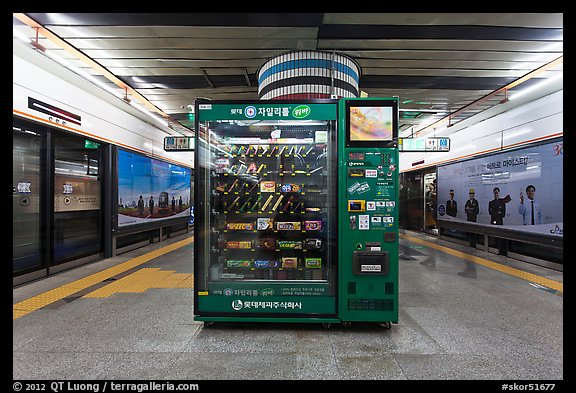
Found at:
[32, 304]
[145, 279]
[490, 264]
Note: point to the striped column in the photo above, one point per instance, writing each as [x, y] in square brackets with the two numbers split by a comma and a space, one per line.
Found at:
[308, 74]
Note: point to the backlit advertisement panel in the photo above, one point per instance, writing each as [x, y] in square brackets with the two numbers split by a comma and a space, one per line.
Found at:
[151, 190]
[519, 189]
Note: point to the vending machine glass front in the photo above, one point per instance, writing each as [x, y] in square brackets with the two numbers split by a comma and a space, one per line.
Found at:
[266, 203]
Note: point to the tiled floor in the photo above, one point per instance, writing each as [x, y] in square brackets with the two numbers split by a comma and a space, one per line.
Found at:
[486, 325]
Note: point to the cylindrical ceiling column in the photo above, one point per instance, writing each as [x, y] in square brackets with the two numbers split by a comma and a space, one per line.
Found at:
[308, 74]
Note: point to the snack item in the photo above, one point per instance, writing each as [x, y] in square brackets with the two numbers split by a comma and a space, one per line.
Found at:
[262, 263]
[238, 263]
[238, 244]
[290, 244]
[240, 226]
[313, 263]
[313, 244]
[277, 202]
[313, 225]
[268, 186]
[263, 223]
[288, 226]
[267, 202]
[290, 187]
[290, 263]
[233, 185]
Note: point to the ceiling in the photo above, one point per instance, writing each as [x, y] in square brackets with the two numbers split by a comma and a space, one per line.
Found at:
[440, 65]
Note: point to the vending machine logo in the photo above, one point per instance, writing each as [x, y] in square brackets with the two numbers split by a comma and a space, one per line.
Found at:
[267, 292]
[301, 111]
[237, 304]
[250, 112]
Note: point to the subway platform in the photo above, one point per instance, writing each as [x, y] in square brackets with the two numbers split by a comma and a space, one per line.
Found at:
[464, 314]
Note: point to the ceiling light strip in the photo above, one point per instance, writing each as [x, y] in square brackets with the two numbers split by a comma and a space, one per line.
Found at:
[509, 86]
[91, 63]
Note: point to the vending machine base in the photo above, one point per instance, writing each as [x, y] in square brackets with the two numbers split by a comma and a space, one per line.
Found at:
[326, 322]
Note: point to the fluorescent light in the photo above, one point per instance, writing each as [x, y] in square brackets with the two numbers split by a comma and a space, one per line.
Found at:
[81, 72]
[63, 62]
[537, 86]
[422, 110]
[21, 36]
[91, 78]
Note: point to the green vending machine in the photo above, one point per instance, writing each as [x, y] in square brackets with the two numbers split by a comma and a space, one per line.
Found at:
[266, 184]
[296, 211]
[368, 210]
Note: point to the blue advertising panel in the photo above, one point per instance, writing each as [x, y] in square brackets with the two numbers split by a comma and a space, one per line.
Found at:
[151, 190]
[520, 189]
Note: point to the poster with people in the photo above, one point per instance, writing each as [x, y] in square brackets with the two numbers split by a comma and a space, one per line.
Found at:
[520, 189]
[151, 189]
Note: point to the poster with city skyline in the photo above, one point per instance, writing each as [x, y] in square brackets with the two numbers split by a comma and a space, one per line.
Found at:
[151, 189]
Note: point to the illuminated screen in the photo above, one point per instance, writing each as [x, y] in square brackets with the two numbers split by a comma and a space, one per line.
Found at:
[371, 123]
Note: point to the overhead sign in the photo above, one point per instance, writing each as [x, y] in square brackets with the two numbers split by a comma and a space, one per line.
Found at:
[266, 111]
[426, 144]
[180, 143]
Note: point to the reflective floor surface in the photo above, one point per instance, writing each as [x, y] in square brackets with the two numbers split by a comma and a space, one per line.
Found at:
[463, 315]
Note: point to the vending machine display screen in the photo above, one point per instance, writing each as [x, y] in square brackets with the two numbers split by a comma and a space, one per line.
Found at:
[371, 123]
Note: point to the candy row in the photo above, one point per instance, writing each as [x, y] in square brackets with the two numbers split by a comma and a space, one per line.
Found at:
[265, 223]
[271, 244]
[284, 263]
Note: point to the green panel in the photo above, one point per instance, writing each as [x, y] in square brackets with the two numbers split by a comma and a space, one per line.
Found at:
[268, 288]
[267, 111]
[368, 231]
[268, 305]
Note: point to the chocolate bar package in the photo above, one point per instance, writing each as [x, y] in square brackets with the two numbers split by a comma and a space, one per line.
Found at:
[313, 225]
[313, 263]
[263, 223]
[268, 186]
[290, 244]
[313, 244]
[262, 263]
[238, 263]
[240, 226]
[290, 263]
[288, 226]
[239, 244]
